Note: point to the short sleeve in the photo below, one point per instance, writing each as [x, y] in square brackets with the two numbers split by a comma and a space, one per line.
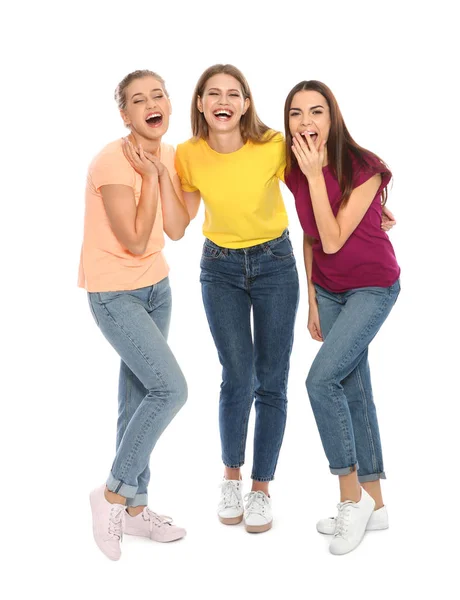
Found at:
[278, 141]
[183, 170]
[111, 168]
[372, 166]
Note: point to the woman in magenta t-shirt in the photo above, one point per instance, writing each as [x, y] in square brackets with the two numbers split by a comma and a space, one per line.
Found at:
[353, 283]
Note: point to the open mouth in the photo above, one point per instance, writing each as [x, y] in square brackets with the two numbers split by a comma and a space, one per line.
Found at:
[154, 119]
[223, 114]
[312, 134]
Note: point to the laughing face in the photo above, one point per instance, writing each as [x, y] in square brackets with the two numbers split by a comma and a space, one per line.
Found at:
[309, 115]
[223, 103]
[147, 108]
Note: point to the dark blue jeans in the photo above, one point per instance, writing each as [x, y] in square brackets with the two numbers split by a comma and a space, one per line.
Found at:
[254, 364]
[339, 382]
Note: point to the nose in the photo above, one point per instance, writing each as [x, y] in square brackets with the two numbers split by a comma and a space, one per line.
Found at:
[151, 103]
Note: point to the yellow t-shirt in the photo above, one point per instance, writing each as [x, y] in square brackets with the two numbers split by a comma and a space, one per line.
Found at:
[105, 265]
[240, 190]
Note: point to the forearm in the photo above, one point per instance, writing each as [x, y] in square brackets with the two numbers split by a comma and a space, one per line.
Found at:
[328, 227]
[145, 213]
[175, 215]
[308, 260]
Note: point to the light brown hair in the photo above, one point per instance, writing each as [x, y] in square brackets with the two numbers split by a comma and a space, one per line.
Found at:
[251, 127]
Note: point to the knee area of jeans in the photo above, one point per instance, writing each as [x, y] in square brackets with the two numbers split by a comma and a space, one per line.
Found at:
[317, 380]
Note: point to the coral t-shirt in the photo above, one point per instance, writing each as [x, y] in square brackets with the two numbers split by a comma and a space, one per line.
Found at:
[105, 265]
[367, 258]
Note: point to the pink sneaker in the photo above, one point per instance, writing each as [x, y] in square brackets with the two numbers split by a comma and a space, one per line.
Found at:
[156, 527]
[108, 523]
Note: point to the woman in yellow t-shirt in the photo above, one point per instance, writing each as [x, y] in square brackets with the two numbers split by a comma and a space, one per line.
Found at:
[234, 162]
[132, 196]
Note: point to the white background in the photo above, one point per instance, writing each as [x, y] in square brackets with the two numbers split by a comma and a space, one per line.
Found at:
[392, 68]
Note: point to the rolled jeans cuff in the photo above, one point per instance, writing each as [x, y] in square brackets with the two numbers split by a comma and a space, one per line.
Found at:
[344, 470]
[118, 487]
[371, 477]
[138, 500]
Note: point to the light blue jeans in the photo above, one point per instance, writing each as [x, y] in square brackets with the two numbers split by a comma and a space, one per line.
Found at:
[152, 387]
[339, 382]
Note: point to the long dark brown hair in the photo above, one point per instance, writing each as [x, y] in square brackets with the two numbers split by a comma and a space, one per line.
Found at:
[251, 127]
[341, 147]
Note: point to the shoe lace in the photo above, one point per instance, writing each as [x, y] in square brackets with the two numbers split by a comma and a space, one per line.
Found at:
[155, 519]
[116, 521]
[230, 495]
[256, 502]
[343, 518]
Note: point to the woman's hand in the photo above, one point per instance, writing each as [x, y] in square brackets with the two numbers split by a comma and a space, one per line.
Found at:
[138, 160]
[156, 161]
[309, 155]
[314, 326]
[388, 219]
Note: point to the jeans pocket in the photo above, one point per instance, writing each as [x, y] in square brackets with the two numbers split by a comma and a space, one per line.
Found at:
[211, 252]
[280, 250]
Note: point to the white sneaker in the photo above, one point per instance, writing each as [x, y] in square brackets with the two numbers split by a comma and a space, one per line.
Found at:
[378, 520]
[230, 510]
[351, 523]
[258, 516]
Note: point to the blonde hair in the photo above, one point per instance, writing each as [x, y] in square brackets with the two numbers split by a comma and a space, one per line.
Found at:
[120, 91]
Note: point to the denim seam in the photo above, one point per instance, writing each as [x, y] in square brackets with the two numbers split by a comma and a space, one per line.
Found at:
[366, 419]
[372, 321]
[347, 435]
[374, 318]
[128, 462]
[146, 359]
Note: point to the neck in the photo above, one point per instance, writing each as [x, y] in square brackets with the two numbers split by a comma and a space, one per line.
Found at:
[151, 146]
[325, 157]
[225, 142]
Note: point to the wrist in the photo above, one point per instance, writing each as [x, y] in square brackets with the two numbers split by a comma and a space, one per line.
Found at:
[150, 178]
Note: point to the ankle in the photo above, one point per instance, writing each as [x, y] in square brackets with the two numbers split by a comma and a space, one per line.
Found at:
[114, 498]
[232, 474]
[133, 511]
[260, 486]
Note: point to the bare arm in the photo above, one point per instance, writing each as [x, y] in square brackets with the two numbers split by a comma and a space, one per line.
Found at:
[333, 231]
[131, 224]
[314, 325]
[308, 260]
[192, 202]
[175, 215]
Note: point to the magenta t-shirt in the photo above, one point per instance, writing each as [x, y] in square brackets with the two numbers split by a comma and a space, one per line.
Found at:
[367, 258]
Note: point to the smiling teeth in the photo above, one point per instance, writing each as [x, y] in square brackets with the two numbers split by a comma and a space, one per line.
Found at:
[154, 115]
[223, 112]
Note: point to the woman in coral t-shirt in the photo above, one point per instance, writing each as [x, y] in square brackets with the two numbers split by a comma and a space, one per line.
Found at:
[353, 283]
[132, 196]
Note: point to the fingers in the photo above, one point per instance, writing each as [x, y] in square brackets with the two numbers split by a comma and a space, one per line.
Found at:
[387, 225]
[315, 332]
[387, 212]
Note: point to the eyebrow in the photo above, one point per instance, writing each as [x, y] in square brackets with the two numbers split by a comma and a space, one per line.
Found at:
[141, 94]
[312, 108]
[219, 90]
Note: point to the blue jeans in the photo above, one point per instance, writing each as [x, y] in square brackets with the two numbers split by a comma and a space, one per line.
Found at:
[152, 387]
[264, 278]
[339, 382]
